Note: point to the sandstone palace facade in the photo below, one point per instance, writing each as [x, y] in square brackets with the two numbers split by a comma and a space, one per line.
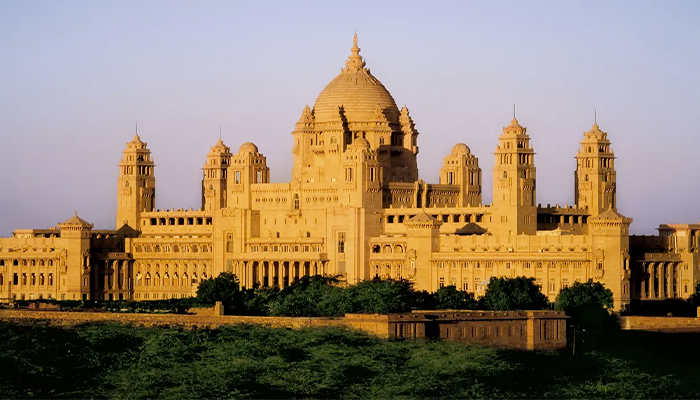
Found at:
[356, 207]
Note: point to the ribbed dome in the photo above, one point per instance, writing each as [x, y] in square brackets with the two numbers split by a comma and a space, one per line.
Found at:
[248, 147]
[358, 92]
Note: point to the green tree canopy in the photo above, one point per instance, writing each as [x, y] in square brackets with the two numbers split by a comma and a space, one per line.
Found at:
[586, 302]
[381, 296]
[311, 296]
[224, 288]
[449, 297]
[520, 293]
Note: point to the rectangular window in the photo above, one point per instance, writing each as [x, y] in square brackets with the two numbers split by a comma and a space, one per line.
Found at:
[442, 282]
[341, 242]
[465, 286]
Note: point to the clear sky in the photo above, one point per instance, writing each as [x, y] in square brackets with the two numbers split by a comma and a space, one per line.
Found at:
[76, 75]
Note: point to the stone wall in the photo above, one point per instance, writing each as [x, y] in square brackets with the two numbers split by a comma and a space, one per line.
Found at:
[532, 330]
[660, 323]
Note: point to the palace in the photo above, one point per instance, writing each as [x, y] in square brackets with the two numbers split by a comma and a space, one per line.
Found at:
[355, 207]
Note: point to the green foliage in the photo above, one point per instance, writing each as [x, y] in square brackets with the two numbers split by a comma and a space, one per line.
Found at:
[694, 298]
[311, 296]
[380, 296]
[224, 288]
[170, 306]
[587, 303]
[586, 293]
[243, 361]
[519, 293]
[449, 297]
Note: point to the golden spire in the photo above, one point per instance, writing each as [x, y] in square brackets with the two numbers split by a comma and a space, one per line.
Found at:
[355, 61]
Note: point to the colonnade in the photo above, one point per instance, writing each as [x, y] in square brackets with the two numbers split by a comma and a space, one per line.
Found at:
[660, 280]
[110, 280]
[275, 273]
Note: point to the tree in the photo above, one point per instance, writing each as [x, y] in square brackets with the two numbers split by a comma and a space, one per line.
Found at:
[382, 296]
[224, 288]
[694, 298]
[449, 297]
[518, 293]
[316, 296]
[588, 303]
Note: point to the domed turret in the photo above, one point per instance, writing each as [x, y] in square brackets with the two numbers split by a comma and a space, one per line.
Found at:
[248, 147]
[460, 148]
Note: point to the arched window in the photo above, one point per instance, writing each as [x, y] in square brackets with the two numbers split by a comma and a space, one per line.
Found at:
[138, 279]
[176, 279]
[376, 248]
[156, 281]
[2, 279]
[148, 279]
[184, 279]
[166, 279]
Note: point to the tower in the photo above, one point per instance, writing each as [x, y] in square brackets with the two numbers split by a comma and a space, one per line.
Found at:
[75, 270]
[248, 167]
[136, 190]
[514, 206]
[215, 176]
[461, 168]
[595, 180]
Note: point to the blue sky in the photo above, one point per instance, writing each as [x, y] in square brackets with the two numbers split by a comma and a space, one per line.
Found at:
[76, 75]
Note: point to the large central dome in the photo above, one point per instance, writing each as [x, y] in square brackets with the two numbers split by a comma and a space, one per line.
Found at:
[358, 92]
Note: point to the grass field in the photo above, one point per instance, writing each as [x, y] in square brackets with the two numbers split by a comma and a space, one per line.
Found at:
[117, 361]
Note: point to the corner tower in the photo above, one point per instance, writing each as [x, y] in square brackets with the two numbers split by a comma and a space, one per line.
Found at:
[215, 176]
[136, 192]
[595, 178]
[461, 168]
[248, 167]
[514, 191]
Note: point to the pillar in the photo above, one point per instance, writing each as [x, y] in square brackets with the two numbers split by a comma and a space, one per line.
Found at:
[643, 292]
[662, 279]
[652, 280]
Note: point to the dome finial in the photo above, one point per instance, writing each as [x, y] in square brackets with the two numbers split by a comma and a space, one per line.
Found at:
[355, 61]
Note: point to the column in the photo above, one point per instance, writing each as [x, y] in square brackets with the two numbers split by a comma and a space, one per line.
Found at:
[652, 280]
[285, 274]
[662, 283]
[643, 292]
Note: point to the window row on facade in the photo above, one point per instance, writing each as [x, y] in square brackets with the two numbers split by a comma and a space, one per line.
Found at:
[445, 218]
[286, 248]
[184, 221]
[167, 279]
[174, 248]
[563, 265]
[27, 263]
[29, 279]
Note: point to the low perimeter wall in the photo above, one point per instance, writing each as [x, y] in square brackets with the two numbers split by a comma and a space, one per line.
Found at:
[660, 323]
[532, 330]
